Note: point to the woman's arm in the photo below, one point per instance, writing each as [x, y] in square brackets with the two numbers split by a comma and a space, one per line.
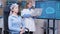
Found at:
[26, 16]
[12, 25]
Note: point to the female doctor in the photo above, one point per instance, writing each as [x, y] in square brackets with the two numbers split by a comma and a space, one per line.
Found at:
[27, 17]
[15, 23]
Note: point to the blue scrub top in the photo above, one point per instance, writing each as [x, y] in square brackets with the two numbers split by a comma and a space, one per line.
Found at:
[15, 23]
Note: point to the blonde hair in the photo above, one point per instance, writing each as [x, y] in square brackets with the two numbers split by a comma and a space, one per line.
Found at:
[12, 7]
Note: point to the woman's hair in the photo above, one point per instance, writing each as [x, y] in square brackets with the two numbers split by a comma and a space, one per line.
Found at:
[12, 7]
[27, 4]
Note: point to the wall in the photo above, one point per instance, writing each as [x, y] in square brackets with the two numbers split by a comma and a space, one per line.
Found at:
[1, 9]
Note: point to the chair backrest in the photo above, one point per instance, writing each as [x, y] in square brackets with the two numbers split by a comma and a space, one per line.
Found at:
[0, 30]
[6, 22]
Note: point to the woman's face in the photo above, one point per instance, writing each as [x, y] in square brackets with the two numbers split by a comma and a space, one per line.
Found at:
[15, 9]
[29, 5]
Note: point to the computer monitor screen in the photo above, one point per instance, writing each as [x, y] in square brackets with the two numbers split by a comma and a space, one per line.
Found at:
[50, 9]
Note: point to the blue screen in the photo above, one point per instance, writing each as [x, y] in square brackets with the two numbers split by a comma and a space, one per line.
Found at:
[58, 11]
[50, 9]
[23, 4]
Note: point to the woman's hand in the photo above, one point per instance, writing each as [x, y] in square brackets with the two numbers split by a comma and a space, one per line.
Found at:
[26, 15]
[22, 31]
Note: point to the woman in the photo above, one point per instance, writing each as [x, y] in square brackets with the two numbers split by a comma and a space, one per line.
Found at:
[27, 17]
[15, 23]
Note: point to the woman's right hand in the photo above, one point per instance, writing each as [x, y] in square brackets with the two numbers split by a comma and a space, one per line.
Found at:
[22, 31]
[26, 15]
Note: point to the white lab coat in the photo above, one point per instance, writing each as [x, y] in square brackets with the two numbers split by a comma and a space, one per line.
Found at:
[29, 22]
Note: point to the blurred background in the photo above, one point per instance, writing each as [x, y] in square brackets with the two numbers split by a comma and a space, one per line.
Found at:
[4, 12]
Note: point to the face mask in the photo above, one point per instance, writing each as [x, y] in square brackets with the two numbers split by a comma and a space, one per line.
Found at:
[29, 8]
